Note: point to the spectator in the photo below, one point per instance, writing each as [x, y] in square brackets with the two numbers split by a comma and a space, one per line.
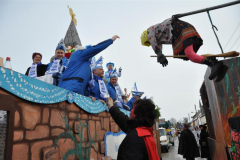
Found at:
[78, 73]
[204, 142]
[139, 142]
[187, 144]
[37, 69]
[195, 133]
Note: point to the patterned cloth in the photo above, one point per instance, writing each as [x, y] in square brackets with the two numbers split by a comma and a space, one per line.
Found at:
[178, 33]
[184, 35]
[160, 34]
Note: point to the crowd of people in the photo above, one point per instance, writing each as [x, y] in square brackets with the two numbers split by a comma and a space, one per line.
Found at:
[82, 74]
[191, 140]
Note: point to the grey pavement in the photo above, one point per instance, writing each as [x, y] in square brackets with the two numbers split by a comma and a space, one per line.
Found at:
[172, 153]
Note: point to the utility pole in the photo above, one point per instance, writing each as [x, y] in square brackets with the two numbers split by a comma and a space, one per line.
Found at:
[188, 117]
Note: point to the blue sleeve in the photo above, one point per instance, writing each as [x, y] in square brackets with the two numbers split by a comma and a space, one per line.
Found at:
[49, 65]
[106, 75]
[119, 73]
[93, 94]
[130, 103]
[94, 50]
[65, 62]
[110, 92]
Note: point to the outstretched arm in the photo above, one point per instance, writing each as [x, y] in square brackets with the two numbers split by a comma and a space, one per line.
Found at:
[94, 50]
[119, 117]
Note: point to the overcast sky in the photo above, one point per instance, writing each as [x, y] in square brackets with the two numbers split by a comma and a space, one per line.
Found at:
[38, 25]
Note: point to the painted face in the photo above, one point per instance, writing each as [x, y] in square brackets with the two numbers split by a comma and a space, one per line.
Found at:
[37, 59]
[113, 80]
[110, 66]
[59, 54]
[99, 72]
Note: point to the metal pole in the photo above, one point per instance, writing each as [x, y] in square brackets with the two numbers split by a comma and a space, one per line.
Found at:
[206, 9]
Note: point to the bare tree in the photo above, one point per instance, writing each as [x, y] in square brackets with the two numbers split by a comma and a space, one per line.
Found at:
[173, 121]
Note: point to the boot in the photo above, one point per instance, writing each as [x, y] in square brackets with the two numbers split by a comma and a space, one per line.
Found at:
[214, 64]
[222, 73]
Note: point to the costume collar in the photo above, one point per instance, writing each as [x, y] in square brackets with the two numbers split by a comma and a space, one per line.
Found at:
[38, 64]
[97, 78]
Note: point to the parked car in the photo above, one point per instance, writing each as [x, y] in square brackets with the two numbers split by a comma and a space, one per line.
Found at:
[164, 139]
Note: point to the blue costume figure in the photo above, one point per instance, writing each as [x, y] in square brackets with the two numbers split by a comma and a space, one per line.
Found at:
[114, 91]
[97, 87]
[78, 71]
[135, 96]
[110, 67]
[57, 66]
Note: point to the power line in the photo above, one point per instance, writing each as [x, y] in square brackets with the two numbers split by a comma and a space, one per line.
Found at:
[238, 46]
[234, 42]
[232, 35]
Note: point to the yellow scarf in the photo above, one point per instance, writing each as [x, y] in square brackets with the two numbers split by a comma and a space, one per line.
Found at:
[144, 39]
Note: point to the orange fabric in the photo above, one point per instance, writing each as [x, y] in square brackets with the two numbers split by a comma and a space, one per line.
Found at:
[186, 33]
[147, 134]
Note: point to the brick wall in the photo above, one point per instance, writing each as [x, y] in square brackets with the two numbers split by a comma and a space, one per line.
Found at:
[36, 126]
[3, 127]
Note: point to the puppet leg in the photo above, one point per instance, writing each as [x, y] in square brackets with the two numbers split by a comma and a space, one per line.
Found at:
[217, 67]
[192, 55]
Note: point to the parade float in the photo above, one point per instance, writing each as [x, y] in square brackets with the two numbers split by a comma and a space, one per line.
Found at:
[221, 98]
[221, 101]
[43, 121]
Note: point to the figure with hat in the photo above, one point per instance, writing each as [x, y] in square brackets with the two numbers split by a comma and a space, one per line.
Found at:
[97, 87]
[58, 64]
[78, 71]
[135, 97]
[185, 40]
[37, 69]
[110, 67]
[203, 141]
[114, 91]
[187, 144]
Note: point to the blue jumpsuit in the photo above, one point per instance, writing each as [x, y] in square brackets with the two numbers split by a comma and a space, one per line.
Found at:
[78, 72]
[95, 91]
[130, 103]
[113, 93]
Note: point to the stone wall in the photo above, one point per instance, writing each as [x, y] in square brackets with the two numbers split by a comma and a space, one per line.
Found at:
[36, 126]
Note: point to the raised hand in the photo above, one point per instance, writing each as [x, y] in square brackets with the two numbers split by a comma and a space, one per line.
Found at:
[109, 103]
[115, 37]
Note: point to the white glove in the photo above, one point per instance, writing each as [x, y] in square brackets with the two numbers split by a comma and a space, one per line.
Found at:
[120, 69]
